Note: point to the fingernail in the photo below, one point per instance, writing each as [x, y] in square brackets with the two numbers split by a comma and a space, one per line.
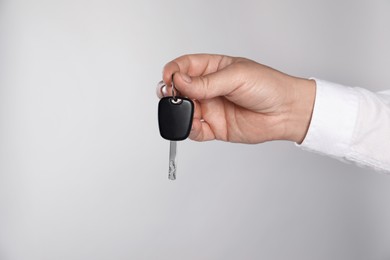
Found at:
[186, 78]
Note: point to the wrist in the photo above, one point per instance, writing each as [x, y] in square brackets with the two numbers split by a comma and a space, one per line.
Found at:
[302, 104]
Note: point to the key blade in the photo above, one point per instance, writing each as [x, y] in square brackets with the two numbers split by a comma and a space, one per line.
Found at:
[172, 160]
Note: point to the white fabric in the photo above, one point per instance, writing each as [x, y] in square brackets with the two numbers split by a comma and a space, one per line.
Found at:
[352, 124]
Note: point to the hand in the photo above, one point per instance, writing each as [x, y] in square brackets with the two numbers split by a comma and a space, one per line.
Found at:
[239, 100]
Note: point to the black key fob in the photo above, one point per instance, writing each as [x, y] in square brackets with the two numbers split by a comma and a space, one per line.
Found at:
[175, 117]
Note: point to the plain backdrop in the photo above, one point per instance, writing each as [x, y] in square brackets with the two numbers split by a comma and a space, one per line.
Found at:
[83, 169]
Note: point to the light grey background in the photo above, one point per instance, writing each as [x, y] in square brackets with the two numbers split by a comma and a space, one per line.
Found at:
[83, 170]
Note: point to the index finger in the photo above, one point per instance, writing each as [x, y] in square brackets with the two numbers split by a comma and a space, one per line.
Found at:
[195, 65]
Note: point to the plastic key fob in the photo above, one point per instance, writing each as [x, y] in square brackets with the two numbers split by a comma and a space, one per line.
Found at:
[175, 117]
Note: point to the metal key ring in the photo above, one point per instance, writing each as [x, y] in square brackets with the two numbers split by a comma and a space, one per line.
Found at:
[175, 99]
[173, 88]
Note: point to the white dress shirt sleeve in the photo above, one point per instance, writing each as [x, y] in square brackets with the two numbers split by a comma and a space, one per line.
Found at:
[350, 124]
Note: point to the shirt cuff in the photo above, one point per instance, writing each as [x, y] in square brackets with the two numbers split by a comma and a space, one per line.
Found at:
[333, 120]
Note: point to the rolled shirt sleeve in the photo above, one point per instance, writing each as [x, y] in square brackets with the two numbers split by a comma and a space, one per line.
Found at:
[350, 124]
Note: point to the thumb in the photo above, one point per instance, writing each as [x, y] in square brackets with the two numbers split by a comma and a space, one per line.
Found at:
[220, 83]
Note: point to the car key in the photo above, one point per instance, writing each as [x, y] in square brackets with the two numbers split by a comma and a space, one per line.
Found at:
[172, 160]
[175, 115]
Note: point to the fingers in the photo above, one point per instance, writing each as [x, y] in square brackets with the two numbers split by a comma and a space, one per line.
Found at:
[200, 77]
[220, 83]
[195, 65]
[196, 77]
[201, 131]
[212, 85]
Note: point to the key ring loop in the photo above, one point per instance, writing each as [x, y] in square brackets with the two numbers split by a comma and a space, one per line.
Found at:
[173, 88]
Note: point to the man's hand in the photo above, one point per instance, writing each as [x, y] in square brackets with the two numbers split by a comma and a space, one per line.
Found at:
[239, 100]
